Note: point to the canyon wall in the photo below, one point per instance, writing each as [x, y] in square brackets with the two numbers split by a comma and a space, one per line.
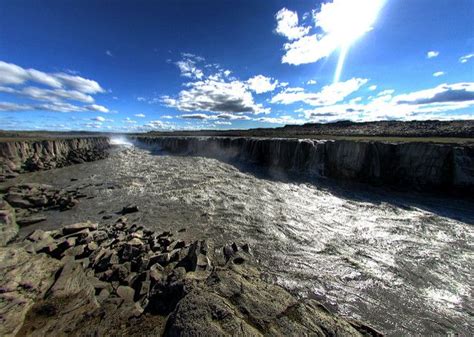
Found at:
[420, 166]
[32, 155]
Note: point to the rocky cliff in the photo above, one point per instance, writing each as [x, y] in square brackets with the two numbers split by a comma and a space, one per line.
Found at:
[31, 155]
[421, 166]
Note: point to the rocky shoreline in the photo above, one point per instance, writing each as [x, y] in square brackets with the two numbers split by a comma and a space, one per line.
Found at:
[122, 279]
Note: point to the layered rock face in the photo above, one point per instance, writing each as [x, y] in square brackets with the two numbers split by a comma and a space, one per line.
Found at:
[122, 279]
[420, 166]
[33, 155]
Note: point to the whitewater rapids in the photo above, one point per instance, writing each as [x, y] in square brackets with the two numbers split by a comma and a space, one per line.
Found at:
[403, 263]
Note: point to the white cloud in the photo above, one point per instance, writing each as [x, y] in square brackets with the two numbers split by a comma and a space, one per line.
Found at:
[53, 106]
[215, 96]
[61, 88]
[308, 49]
[109, 53]
[78, 83]
[312, 82]
[341, 22]
[7, 106]
[13, 74]
[140, 115]
[440, 102]
[129, 120]
[432, 54]
[188, 68]
[167, 117]
[97, 107]
[386, 92]
[50, 95]
[444, 93]
[330, 94]
[197, 116]
[288, 25]
[261, 84]
[222, 123]
[281, 120]
[438, 73]
[373, 88]
[466, 58]
[98, 119]
[233, 117]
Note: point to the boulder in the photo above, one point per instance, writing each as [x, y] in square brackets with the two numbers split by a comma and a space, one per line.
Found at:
[79, 227]
[127, 293]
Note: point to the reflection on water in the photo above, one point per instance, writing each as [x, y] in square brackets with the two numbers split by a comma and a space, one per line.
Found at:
[402, 263]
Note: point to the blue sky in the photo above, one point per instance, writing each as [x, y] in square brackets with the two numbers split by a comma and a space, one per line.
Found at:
[167, 65]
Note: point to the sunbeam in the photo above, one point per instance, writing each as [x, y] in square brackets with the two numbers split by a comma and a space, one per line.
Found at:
[340, 63]
[345, 21]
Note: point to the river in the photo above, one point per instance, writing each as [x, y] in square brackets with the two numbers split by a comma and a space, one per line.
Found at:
[401, 262]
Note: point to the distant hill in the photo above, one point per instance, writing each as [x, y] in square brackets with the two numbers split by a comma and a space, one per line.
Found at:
[412, 129]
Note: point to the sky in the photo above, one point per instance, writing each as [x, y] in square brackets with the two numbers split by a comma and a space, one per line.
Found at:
[130, 66]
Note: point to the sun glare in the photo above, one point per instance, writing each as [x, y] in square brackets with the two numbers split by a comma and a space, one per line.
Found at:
[346, 21]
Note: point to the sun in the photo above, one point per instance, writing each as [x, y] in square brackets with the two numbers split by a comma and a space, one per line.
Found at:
[345, 21]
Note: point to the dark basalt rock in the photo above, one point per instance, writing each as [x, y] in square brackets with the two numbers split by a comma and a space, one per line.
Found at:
[129, 209]
[29, 199]
[106, 276]
[424, 166]
[33, 155]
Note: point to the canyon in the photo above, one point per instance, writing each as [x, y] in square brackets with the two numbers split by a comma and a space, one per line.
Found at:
[338, 232]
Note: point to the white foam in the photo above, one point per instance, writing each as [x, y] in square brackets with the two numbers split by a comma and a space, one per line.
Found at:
[120, 140]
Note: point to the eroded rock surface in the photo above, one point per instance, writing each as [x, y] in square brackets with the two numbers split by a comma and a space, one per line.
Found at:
[86, 279]
[443, 168]
[34, 155]
[8, 225]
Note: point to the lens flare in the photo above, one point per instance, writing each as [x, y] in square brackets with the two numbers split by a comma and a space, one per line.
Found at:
[345, 21]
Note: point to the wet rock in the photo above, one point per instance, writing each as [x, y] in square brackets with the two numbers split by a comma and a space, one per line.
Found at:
[228, 252]
[196, 258]
[129, 209]
[246, 248]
